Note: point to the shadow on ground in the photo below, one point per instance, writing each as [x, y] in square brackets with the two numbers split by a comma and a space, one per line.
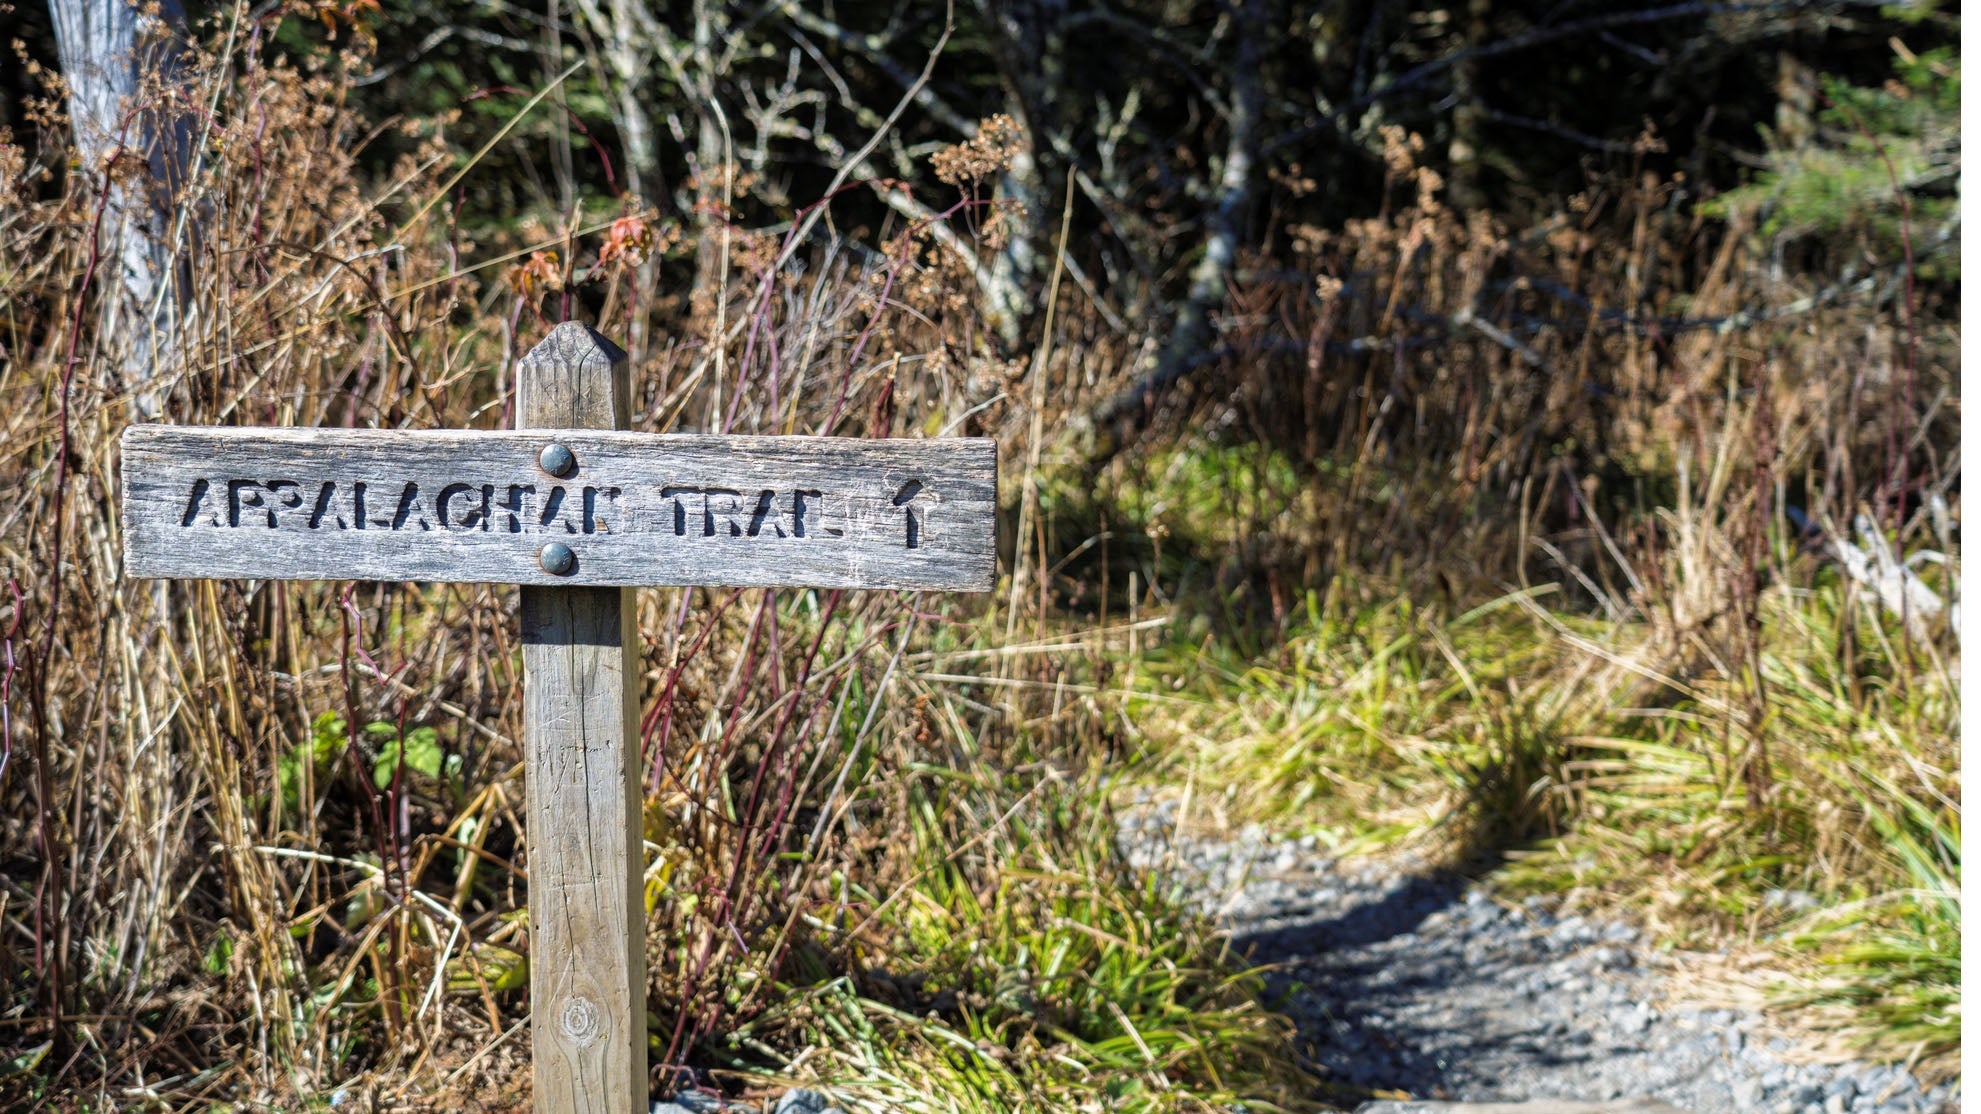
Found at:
[1412, 985]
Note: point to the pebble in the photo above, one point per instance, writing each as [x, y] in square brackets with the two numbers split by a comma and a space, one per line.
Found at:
[693, 1102]
[1632, 1020]
[1610, 958]
[1618, 932]
[803, 1101]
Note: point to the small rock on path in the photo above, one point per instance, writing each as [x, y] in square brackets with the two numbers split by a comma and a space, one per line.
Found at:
[1542, 1107]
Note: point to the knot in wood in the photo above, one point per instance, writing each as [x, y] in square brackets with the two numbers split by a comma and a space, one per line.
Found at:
[580, 1021]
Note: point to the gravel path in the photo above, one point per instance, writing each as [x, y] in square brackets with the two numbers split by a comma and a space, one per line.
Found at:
[1424, 984]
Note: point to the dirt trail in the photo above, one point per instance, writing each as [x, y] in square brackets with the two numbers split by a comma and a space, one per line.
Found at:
[1423, 984]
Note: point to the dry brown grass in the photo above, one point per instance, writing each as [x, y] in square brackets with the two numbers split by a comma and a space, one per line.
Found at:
[214, 890]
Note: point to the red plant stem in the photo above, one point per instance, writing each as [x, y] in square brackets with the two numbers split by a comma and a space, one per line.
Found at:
[662, 716]
[51, 866]
[399, 802]
[767, 282]
[730, 908]
[7, 678]
[605, 160]
[759, 318]
[345, 611]
[887, 288]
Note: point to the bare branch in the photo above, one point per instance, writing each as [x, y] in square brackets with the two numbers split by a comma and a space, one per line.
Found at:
[874, 49]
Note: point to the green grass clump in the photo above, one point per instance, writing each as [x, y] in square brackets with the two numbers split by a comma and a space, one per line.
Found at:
[1894, 957]
[1032, 969]
[1362, 729]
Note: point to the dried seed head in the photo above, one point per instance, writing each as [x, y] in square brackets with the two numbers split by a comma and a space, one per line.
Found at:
[998, 142]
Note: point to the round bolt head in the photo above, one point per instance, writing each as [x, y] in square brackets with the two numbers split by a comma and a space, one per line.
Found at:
[557, 460]
[557, 559]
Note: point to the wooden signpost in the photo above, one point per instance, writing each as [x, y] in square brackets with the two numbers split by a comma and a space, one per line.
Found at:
[577, 511]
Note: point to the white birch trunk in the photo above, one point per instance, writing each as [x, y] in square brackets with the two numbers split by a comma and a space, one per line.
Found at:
[113, 55]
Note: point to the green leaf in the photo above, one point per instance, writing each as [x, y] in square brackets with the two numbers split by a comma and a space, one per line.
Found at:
[328, 738]
[420, 752]
[26, 1061]
[219, 955]
[289, 775]
[329, 730]
[500, 969]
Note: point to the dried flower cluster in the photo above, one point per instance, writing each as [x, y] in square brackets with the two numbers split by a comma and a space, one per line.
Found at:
[989, 153]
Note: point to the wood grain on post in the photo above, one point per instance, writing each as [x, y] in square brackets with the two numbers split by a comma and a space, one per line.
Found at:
[588, 969]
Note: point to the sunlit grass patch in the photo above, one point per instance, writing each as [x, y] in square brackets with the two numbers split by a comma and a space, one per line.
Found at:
[1842, 850]
[1033, 971]
[1363, 726]
[1894, 957]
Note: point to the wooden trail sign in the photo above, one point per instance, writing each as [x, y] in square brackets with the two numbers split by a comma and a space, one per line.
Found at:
[633, 508]
[577, 511]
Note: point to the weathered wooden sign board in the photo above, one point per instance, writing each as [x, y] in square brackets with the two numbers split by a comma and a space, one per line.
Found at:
[577, 511]
[633, 508]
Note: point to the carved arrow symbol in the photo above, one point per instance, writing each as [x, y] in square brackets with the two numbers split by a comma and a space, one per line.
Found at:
[913, 501]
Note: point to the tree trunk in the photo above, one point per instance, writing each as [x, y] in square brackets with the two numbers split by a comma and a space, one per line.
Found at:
[628, 32]
[1030, 48]
[1115, 422]
[1468, 115]
[713, 149]
[108, 49]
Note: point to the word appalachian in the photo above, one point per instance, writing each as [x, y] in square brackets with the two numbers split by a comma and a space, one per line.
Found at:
[519, 509]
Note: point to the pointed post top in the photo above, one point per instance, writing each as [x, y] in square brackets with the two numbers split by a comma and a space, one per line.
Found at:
[575, 344]
[573, 379]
